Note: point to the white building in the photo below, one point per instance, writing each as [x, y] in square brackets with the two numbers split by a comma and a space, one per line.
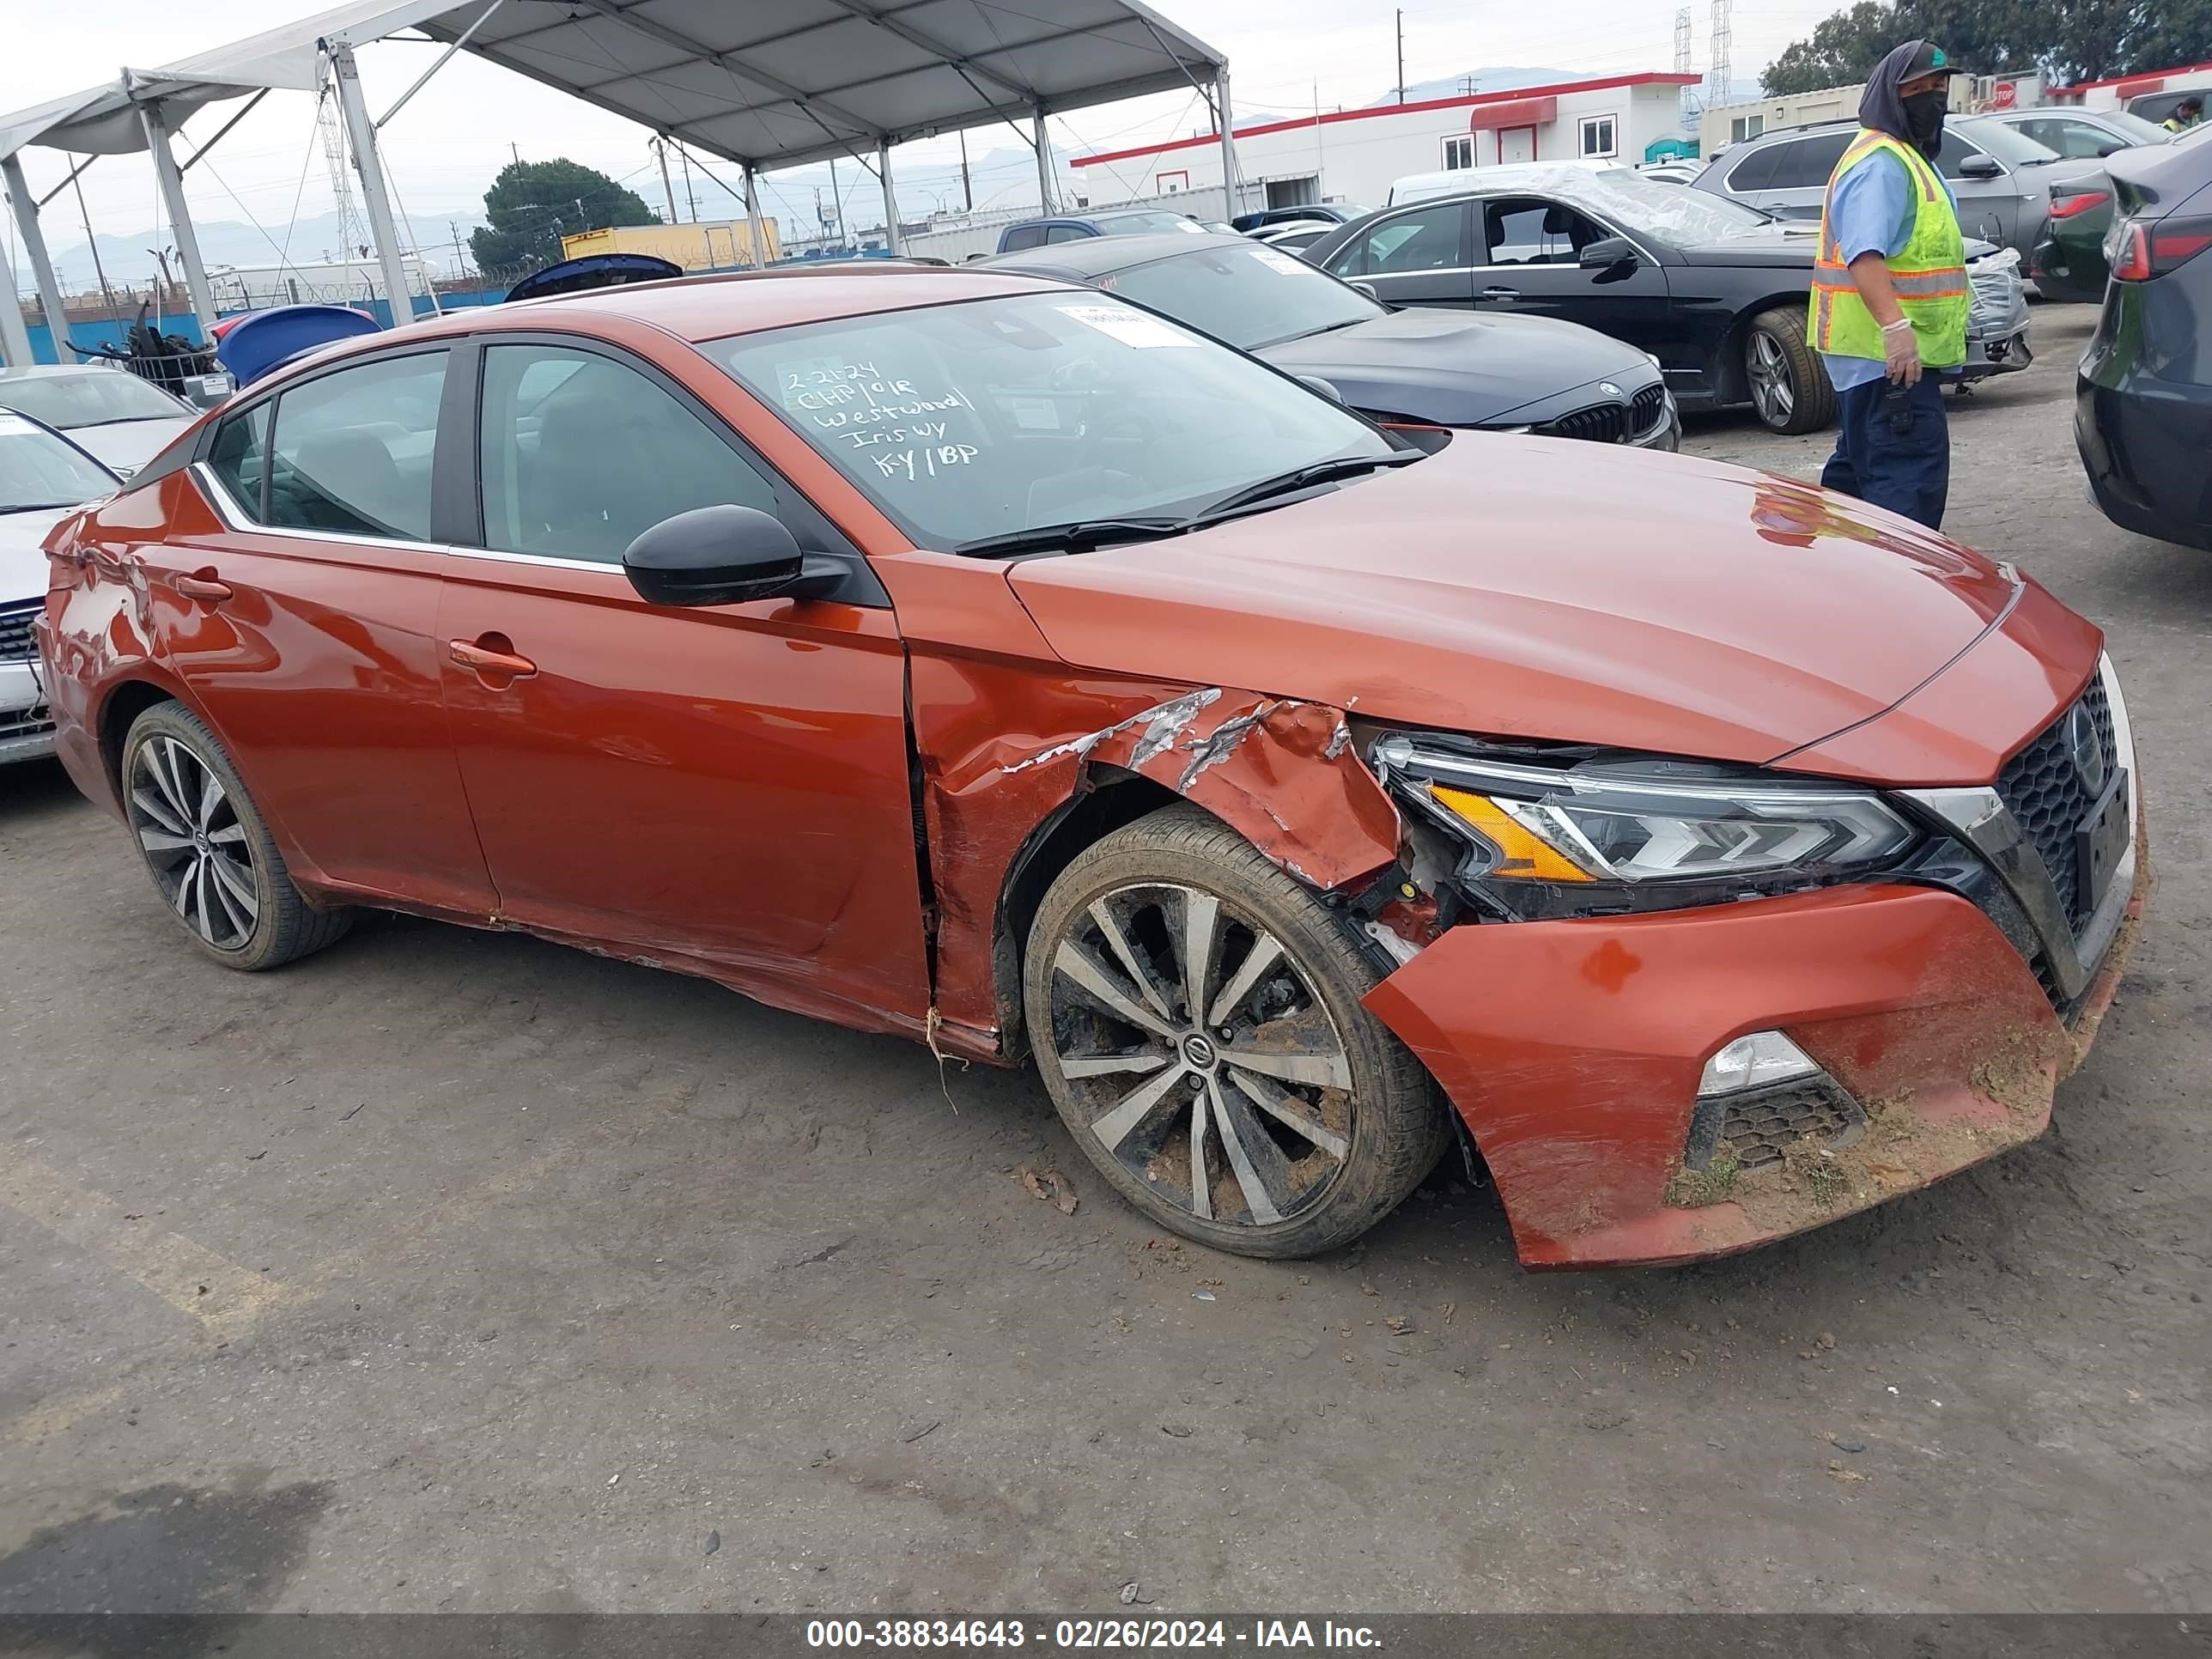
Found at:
[1352, 156]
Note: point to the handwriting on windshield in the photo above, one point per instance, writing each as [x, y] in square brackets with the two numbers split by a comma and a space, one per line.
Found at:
[905, 428]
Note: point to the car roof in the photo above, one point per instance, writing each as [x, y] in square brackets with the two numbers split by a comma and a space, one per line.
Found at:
[1098, 255]
[47, 370]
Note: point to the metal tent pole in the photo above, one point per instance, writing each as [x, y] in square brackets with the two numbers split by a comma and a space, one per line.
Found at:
[14, 339]
[1230, 206]
[180, 217]
[34, 244]
[361, 134]
[892, 243]
[760, 250]
[1044, 161]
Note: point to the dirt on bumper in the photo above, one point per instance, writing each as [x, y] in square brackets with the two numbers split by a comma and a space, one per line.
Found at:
[1573, 1051]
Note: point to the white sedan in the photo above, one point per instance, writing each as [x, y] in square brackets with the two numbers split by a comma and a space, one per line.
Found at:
[43, 478]
[123, 421]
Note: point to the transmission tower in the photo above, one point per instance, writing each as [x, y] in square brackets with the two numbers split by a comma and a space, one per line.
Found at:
[351, 238]
[1717, 76]
[1683, 62]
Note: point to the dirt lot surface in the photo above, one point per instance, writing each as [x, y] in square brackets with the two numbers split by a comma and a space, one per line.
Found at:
[451, 1271]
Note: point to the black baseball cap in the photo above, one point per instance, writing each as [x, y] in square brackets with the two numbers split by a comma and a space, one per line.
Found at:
[1930, 59]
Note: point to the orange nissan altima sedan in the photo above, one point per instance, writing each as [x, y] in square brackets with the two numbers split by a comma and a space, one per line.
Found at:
[994, 662]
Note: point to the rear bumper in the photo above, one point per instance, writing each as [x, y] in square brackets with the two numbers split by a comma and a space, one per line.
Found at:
[1573, 1050]
[2143, 443]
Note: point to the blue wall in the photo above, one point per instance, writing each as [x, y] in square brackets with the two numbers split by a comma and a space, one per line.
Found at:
[111, 331]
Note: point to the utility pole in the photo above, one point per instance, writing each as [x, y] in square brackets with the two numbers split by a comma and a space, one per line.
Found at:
[460, 262]
[689, 200]
[1401, 54]
[667, 189]
[93, 243]
[967, 190]
[837, 199]
[513, 150]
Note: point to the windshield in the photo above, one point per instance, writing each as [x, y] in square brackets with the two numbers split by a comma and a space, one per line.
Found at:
[93, 398]
[961, 422]
[2133, 126]
[1253, 295]
[1686, 217]
[2007, 144]
[37, 469]
[1143, 224]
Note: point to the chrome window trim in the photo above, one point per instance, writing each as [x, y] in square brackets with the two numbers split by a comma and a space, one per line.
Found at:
[1979, 818]
[236, 518]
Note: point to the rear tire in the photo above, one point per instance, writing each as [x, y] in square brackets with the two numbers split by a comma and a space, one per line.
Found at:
[1791, 392]
[1281, 1119]
[209, 850]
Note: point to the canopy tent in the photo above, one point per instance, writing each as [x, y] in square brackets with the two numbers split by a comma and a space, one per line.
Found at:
[765, 83]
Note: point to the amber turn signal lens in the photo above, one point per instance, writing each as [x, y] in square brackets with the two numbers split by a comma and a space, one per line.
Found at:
[1522, 857]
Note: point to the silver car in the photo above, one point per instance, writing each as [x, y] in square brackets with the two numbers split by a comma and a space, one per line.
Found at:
[2004, 180]
[43, 477]
[2082, 133]
[123, 421]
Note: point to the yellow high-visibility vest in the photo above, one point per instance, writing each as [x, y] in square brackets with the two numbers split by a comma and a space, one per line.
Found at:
[1929, 274]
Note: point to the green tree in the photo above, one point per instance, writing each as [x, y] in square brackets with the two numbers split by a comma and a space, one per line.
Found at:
[2067, 39]
[532, 206]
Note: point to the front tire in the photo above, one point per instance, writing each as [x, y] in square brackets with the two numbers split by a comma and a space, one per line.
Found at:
[1195, 1014]
[209, 852]
[1791, 392]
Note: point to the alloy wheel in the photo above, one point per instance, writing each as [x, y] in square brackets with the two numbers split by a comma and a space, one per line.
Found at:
[198, 851]
[1202, 1059]
[1772, 390]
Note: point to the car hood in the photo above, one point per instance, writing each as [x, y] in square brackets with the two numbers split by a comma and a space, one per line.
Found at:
[1543, 588]
[1785, 243]
[1455, 369]
[22, 564]
[126, 446]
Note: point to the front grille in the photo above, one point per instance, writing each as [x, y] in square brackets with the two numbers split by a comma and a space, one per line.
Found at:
[26, 723]
[1759, 1125]
[2046, 792]
[16, 642]
[1650, 406]
[1602, 423]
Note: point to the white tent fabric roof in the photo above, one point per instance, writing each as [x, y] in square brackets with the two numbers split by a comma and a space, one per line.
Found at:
[772, 83]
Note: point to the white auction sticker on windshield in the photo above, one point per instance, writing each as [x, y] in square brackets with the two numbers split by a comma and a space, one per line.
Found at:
[1134, 328]
[1276, 260]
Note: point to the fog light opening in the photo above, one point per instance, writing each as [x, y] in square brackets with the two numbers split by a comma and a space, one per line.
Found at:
[1752, 1062]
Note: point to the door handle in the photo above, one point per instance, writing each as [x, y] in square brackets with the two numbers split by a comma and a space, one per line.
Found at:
[1501, 294]
[493, 658]
[202, 586]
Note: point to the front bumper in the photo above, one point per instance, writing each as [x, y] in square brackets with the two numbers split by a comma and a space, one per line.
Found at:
[1573, 1049]
[27, 727]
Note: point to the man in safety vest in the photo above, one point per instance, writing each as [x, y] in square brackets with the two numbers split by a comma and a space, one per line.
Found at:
[1890, 298]
[2186, 114]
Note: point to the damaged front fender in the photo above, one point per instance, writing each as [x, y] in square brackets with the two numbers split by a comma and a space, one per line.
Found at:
[1282, 772]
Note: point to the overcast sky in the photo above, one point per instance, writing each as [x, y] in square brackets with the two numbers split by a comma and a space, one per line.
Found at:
[444, 147]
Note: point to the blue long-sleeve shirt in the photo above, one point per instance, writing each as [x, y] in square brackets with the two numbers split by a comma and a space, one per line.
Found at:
[1872, 211]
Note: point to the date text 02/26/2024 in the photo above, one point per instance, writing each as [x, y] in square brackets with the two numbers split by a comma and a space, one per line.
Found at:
[1086, 1634]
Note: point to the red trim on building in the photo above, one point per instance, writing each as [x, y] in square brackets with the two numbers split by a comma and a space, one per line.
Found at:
[2130, 80]
[1372, 110]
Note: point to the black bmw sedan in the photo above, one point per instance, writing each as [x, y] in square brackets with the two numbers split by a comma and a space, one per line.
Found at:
[1713, 290]
[1495, 373]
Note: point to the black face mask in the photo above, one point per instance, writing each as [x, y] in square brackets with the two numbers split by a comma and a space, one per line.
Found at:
[1923, 114]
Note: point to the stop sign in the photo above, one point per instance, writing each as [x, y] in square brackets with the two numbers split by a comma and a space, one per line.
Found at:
[2004, 95]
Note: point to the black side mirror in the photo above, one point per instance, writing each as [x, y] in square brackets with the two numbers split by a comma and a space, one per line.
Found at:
[725, 556]
[1606, 253]
[1979, 165]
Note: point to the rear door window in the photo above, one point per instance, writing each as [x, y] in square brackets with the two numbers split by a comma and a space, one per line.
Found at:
[353, 449]
[1023, 236]
[1756, 170]
[1428, 238]
[1807, 163]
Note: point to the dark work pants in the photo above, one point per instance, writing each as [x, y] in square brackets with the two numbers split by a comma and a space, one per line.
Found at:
[1909, 472]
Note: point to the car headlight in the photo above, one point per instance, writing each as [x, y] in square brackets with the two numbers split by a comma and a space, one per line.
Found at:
[1638, 824]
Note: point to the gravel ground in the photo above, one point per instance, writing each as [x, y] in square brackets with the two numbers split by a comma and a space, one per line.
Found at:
[454, 1271]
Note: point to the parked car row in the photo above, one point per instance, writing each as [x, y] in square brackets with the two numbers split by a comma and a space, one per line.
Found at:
[999, 662]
